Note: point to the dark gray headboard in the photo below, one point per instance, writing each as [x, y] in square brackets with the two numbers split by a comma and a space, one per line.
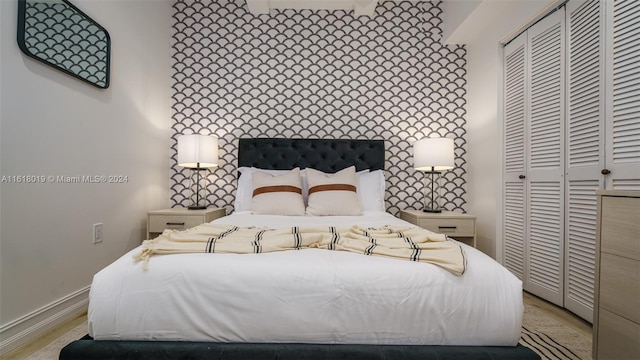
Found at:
[327, 155]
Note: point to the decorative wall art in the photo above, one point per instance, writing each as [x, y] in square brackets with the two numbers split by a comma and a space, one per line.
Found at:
[60, 35]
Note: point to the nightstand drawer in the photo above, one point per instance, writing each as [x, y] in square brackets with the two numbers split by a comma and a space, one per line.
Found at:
[158, 223]
[179, 219]
[451, 227]
[461, 227]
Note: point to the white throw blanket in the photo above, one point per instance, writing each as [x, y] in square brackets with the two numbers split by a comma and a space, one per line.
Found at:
[407, 243]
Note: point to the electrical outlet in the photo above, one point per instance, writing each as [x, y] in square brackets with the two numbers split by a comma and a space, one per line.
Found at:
[97, 233]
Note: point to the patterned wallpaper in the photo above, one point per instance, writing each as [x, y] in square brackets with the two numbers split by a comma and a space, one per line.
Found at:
[317, 74]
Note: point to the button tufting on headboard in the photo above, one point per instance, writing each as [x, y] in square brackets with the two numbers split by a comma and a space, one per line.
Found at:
[328, 155]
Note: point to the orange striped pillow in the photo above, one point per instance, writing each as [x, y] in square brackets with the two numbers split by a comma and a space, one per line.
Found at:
[333, 194]
[277, 194]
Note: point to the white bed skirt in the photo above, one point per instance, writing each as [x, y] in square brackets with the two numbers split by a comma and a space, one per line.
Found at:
[306, 296]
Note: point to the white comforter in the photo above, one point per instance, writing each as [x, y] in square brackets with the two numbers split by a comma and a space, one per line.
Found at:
[306, 296]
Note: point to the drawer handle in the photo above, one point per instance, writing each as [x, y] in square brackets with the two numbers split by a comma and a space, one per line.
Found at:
[448, 227]
[175, 224]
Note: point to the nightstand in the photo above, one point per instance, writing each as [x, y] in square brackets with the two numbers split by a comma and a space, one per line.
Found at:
[461, 227]
[179, 219]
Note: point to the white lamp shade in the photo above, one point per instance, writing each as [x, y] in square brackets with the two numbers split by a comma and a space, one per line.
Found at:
[433, 153]
[197, 151]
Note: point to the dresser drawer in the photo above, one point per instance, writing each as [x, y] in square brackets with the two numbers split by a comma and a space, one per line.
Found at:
[620, 286]
[158, 223]
[621, 226]
[618, 338]
[450, 227]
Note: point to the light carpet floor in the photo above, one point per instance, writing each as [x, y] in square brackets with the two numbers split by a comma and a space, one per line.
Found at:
[52, 351]
[541, 333]
[539, 327]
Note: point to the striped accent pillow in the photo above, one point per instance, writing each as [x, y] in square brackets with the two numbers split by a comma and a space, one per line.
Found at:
[277, 188]
[277, 194]
[333, 194]
[333, 187]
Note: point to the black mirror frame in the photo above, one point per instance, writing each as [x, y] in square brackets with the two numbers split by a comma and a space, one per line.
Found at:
[23, 46]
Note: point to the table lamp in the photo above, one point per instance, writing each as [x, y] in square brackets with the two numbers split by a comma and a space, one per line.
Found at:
[197, 152]
[432, 155]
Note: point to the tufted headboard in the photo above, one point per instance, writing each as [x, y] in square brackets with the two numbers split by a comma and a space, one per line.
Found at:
[327, 155]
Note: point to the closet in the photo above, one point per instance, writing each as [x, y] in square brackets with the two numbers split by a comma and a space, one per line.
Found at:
[571, 126]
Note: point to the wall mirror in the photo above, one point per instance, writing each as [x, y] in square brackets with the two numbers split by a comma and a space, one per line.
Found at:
[59, 34]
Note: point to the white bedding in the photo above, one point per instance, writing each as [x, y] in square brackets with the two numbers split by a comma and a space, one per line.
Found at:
[306, 296]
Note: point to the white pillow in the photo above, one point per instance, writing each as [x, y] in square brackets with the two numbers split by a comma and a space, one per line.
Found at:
[371, 190]
[244, 193]
[277, 194]
[333, 194]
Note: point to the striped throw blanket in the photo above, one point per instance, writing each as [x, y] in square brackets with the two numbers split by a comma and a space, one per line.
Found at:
[408, 243]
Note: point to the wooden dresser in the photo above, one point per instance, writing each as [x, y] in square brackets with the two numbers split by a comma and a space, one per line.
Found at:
[616, 325]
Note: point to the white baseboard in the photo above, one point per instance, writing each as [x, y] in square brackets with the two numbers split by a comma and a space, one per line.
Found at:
[28, 327]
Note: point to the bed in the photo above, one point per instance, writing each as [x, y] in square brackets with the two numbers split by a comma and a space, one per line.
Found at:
[309, 303]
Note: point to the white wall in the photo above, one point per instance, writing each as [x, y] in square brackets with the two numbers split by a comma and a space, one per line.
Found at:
[481, 30]
[456, 15]
[53, 124]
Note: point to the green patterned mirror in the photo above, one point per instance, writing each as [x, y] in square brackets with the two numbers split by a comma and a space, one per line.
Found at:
[60, 35]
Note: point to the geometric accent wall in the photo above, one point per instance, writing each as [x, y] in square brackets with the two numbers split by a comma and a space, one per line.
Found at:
[318, 74]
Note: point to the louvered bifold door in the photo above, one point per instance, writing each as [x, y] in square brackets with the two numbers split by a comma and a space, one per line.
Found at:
[584, 149]
[545, 173]
[623, 95]
[514, 190]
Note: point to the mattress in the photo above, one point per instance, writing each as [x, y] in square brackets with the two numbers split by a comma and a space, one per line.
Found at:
[306, 296]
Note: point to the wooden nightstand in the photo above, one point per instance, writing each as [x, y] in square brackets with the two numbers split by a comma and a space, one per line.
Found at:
[461, 227]
[179, 219]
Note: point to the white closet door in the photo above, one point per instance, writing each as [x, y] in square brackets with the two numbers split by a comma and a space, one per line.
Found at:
[572, 136]
[585, 150]
[623, 95]
[514, 190]
[545, 174]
